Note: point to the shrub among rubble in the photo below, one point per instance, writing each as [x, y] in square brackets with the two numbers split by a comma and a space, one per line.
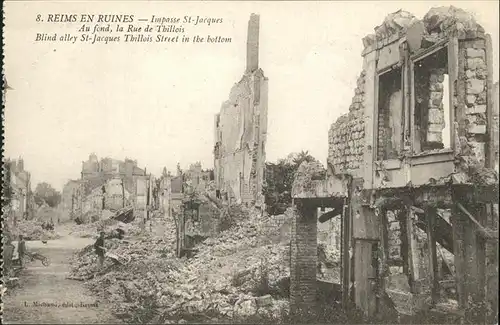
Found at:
[279, 179]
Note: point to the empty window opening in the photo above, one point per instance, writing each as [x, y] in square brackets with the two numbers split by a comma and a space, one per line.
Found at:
[432, 104]
[390, 115]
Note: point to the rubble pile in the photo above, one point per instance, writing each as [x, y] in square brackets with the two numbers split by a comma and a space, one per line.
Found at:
[234, 275]
[32, 230]
[451, 20]
[105, 223]
[84, 230]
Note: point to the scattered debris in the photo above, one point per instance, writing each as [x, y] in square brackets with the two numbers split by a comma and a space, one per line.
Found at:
[33, 230]
[231, 277]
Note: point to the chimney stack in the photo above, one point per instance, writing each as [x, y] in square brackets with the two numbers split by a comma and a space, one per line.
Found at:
[253, 43]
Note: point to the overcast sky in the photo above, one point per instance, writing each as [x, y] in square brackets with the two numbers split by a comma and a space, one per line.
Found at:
[156, 102]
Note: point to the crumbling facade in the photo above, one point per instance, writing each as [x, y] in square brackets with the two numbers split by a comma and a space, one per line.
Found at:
[197, 219]
[411, 171]
[96, 172]
[197, 178]
[108, 184]
[241, 130]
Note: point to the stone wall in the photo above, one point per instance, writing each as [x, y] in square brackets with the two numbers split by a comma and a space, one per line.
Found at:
[476, 100]
[394, 238]
[346, 135]
[436, 122]
[241, 131]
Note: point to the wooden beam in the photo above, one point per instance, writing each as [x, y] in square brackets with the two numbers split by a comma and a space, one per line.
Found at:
[376, 138]
[384, 250]
[431, 215]
[453, 76]
[474, 270]
[346, 259]
[491, 268]
[440, 250]
[417, 210]
[460, 93]
[490, 150]
[422, 54]
[484, 232]
[406, 98]
[370, 117]
[329, 215]
[409, 238]
[458, 250]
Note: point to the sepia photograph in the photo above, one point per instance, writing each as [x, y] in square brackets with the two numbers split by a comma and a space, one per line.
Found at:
[250, 162]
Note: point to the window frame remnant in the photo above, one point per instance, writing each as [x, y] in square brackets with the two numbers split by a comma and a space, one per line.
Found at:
[416, 141]
[380, 73]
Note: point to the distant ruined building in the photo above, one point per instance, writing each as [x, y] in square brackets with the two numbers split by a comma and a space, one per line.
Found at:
[97, 172]
[241, 130]
[171, 190]
[106, 184]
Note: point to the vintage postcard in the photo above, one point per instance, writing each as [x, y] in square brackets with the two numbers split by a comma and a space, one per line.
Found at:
[265, 162]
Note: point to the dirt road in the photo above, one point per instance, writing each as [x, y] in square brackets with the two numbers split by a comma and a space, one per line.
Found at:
[46, 296]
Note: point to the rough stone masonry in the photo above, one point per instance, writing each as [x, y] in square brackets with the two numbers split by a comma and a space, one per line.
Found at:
[241, 130]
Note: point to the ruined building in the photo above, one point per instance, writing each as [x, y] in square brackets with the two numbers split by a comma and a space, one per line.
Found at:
[171, 190]
[96, 172]
[411, 172]
[241, 128]
[196, 177]
[106, 184]
[171, 193]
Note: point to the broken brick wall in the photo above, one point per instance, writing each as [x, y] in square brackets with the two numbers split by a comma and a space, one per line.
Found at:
[303, 262]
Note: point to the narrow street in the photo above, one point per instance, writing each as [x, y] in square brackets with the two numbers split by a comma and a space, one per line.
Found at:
[42, 287]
